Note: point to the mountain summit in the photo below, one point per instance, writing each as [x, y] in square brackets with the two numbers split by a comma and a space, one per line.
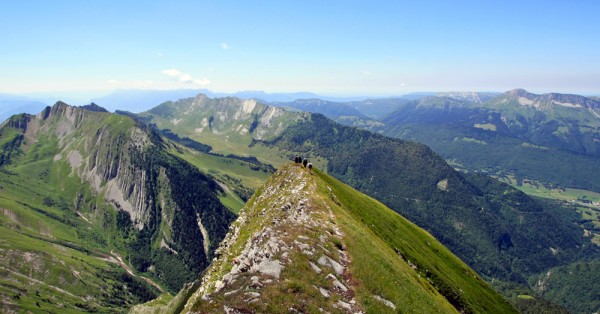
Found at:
[308, 243]
[85, 193]
[548, 101]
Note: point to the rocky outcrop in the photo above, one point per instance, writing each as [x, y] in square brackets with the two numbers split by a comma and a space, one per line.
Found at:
[94, 107]
[547, 101]
[306, 243]
[105, 160]
[128, 165]
[281, 230]
[224, 117]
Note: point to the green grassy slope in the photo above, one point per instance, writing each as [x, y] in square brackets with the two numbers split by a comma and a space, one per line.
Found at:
[516, 133]
[54, 260]
[387, 257]
[239, 178]
[370, 224]
[64, 228]
[228, 125]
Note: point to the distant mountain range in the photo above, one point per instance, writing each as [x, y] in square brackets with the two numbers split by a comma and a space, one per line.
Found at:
[458, 125]
[488, 224]
[141, 100]
[14, 104]
[137, 180]
[476, 97]
[138, 100]
[516, 132]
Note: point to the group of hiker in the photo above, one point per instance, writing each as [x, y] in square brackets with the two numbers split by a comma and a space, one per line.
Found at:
[303, 162]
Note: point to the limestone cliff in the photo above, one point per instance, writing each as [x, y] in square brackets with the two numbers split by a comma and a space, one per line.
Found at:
[167, 210]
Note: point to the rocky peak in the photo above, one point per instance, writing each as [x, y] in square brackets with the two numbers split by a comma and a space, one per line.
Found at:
[550, 100]
[19, 121]
[468, 96]
[93, 107]
[570, 100]
[201, 97]
[519, 92]
[63, 109]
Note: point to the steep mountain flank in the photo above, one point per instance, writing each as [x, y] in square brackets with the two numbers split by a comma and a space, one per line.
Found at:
[228, 125]
[308, 243]
[104, 184]
[568, 122]
[486, 223]
[516, 133]
[497, 230]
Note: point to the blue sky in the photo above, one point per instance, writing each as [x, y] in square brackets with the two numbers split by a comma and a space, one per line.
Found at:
[329, 47]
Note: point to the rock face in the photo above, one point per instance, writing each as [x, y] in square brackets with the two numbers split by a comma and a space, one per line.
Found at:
[94, 107]
[228, 117]
[297, 247]
[223, 123]
[547, 101]
[159, 199]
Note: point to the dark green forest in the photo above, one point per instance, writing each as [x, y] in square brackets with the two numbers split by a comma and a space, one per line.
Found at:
[526, 148]
[195, 195]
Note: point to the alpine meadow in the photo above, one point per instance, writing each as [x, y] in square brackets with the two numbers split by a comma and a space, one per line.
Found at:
[302, 157]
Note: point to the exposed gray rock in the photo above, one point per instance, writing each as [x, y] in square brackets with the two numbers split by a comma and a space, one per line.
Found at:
[267, 267]
[386, 302]
[232, 292]
[336, 283]
[301, 245]
[286, 224]
[343, 305]
[315, 267]
[327, 261]
[252, 294]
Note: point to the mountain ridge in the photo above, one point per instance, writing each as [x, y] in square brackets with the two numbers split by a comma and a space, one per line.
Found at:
[488, 224]
[103, 185]
[307, 242]
[512, 133]
[548, 100]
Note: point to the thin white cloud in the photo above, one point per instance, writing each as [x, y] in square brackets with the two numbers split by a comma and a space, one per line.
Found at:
[367, 73]
[184, 77]
[224, 46]
[171, 72]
